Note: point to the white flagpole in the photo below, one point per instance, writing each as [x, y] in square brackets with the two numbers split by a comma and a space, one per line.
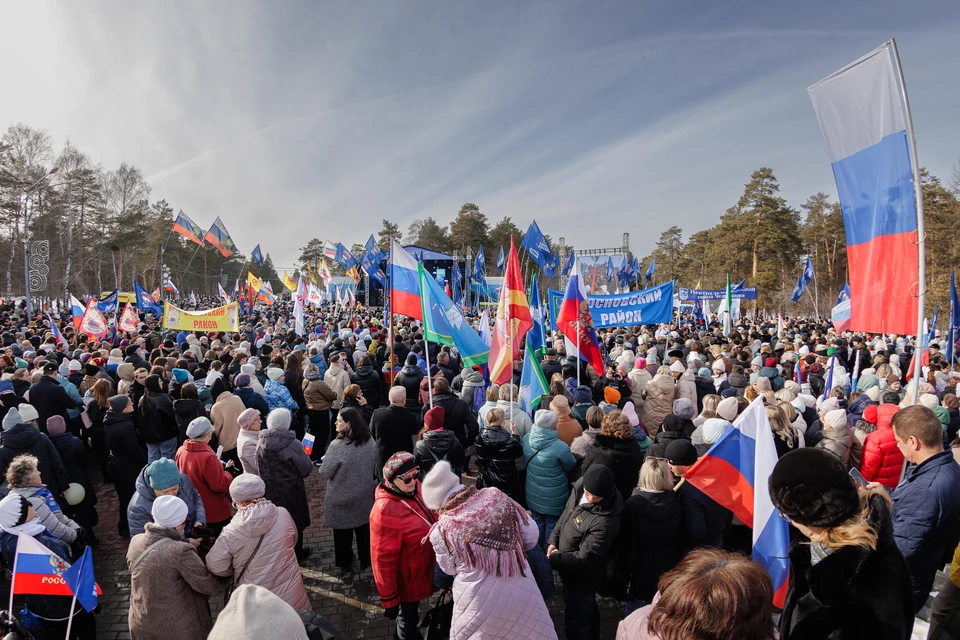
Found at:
[73, 604]
[13, 578]
[578, 350]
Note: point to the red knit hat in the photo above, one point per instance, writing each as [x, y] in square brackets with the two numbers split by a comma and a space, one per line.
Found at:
[434, 418]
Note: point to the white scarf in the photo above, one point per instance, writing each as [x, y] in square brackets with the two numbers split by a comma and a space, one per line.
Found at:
[32, 528]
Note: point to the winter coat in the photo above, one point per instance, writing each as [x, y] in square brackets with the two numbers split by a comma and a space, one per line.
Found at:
[74, 457]
[394, 429]
[274, 567]
[337, 379]
[26, 438]
[253, 400]
[120, 436]
[350, 470]
[926, 519]
[639, 379]
[521, 417]
[584, 443]
[479, 612]
[471, 381]
[278, 396]
[457, 417]
[369, 381]
[840, 442]
[855, 408]
[223, 415]
[409, 378]
[705, 387]
[247, 450]
[438, 445]
[50, 399]
[659, 402]
[550, 367]
[674, 428]
[282, 465]
[634, 626]
[497, 453]
[584, 536]
[140, 509]
[198, 462]
[687, 387]
[772, 374]
[882, 461]
[169, 588]
[650, 541]
[703, 519]
[402, 564]
[318, 395]
[158, 420]
[953, 428]
[854, 592]
[623, 457]
[548, 462]
[185, 411]
[49, 512]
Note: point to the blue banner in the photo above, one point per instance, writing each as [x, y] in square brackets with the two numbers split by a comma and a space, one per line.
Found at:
[109, 303]
[650, 306]
[743, 293]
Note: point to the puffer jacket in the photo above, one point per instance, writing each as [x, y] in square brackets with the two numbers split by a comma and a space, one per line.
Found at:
[639, 379]
[282, 465]
[274, 567]
[840, 442]
[278, 396]
[49, 513]
[158, 420]
[253, 400]
[673, 429]
[548, 462]
[472, 380]
[687, 387]
[337, 379]
[409, 378]
[369, 381]
[776, 380]
[856, 407]
[659, 402]
[140, 509]
[881, 461]
[623, 457]
[438, 445]
[402, 564]
[457, 417]
[650, 541]
[318, 395]
[497, 453]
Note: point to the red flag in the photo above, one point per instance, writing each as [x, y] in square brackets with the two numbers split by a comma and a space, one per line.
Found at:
[508, 336]
[575, 321]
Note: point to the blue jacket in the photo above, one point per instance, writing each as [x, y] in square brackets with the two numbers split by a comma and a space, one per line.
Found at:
[278, 396]
[320, 362]
[253, 400]
[926, 519]
[71, 390]
[140, 509]
[548, 462]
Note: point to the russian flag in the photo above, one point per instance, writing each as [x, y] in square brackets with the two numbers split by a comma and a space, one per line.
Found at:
[56, 332]
[76, 310]
[172, 288]
[39, 571]
[734, 472]
[575, 322]
[404, 283]
[864, 124]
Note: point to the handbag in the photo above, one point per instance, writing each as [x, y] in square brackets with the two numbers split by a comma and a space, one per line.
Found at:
[234, 583]
[437, 621]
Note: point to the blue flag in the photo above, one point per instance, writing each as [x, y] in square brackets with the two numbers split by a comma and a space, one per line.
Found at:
[533, 384]
[379, 255]
[345, 258]
[536, 339]
[568, 265]
[500, 261]
[803, 281]
[257, 255]
[457, 284]
[145, 301]
[844, 293]
[932, 332]
[81, 581]
[478, 264]
[443, 322]
[537, 246]
[651, 270]
[109, 302]
[610, 270]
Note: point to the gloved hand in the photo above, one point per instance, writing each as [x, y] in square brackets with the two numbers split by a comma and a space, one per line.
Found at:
[392, 612]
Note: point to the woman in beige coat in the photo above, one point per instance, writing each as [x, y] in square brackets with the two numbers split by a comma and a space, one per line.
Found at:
[223, 415]
[274, 565]
[659, 402]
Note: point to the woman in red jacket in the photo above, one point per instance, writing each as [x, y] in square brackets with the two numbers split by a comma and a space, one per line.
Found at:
[402, 566]
[882, 461]
[200, 464]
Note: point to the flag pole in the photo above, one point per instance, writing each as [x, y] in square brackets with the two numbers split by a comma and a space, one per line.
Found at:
[918, 195]
[578, 350]
[184, 274]
[13, 577]
[73, 604]
[386, 303]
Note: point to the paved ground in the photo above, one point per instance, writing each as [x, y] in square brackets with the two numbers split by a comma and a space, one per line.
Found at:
[349, 601]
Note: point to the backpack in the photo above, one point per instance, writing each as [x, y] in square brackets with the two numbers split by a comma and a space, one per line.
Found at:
[479, 399]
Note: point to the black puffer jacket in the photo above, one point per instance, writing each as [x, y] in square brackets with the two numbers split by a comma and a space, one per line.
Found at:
[437, 446]
[158, 420]
[369, 381]
[457, 417]
[409, 378]
[497, 453]
[705, 387]
[623, 457]
[650, 541]
[584, 536]
[26, 438]
[186, 410]
[674, 428]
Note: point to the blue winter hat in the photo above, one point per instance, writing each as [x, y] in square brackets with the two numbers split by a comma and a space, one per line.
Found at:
[583, 394]
[180, 375]
[163, 474]
[12, 419]
[6, 385]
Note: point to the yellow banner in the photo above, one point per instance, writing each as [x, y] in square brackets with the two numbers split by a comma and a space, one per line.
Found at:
[223, 318]
[288, 282]
[313, 278]
[254, 282]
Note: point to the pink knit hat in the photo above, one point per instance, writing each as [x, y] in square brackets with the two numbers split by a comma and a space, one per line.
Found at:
[640, 363]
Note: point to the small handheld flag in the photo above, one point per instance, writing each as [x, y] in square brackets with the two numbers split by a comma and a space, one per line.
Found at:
[81, 582]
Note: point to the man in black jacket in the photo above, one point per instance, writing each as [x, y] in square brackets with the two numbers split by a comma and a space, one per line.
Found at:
[393, 428]
[550, 365]
[409, 378]
[49, 398]
[457, 416]
[703, 519]
[579, 546]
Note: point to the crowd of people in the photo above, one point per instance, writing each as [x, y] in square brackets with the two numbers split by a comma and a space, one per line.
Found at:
[441, 483]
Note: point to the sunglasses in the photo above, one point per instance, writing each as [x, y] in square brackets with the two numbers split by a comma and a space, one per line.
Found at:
[413, 475]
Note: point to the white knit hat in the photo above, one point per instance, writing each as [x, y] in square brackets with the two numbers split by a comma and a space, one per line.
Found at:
[253, 613]
[439, 485]
[677, 367]
[713, 429]
[278, 419]
[169, 512]
[727, 409]
[836, 418]
[28, 412]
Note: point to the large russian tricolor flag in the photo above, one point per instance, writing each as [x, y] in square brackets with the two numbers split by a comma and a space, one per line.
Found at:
[575, 322]
[404, 282]
[864, 123]
[735, 472]
[37, 570]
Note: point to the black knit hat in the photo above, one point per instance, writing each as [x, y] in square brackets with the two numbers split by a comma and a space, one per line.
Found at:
[599, 481]
[680, 452]
[812, 488]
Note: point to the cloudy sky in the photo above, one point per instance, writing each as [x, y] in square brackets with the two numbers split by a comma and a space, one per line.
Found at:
[293, 120]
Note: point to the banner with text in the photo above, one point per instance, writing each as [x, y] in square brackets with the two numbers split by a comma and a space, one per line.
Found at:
[223, 318]
[650, 306]
[743, 293]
